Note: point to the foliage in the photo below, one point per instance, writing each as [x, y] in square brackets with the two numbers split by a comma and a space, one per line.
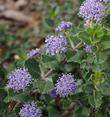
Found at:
[91, 72]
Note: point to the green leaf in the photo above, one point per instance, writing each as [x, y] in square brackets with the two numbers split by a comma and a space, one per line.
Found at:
[52, 112]
[68, 67]
[105, 45]
[47, 58]
[86, 112]
[50, 22]
[78, 113]
[44, 86]
[33, 67]
[11, 114]
[102, 57]
[105, 38]
[100, 114]
[19, 97]
[95, 31]
[51, 64]
[105, 88]
[85, 37]
[48, 87]
[77, 57]
[91, 100]
[95, 100]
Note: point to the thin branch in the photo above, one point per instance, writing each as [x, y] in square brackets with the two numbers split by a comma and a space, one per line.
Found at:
[69, 110]
[92, 112]
[78, 45]
[48, 73]
[58, 104]
[45, 76]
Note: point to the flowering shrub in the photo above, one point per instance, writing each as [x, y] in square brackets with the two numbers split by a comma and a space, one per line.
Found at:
[69, 76]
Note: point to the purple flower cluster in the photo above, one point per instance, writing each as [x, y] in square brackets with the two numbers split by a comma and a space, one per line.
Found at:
[55, 44]
[63, 26]
[30, 110]
[66, 85]
[34, 53]
[19, 79]
[88, 49]
[92, 10]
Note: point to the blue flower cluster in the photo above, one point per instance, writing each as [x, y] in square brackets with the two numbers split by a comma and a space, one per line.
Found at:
[66, 85]
[63, 26]
[55, 44]
[92, 10]
[30, 110]
[19, 79]
[88, 49]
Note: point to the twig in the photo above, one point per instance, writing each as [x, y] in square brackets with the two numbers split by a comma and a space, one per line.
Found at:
[77, 46]
[108, 110]
[16, 105]
[92, 112]
[44, 76]
[58, 105]
[48, 73]
[69, 110]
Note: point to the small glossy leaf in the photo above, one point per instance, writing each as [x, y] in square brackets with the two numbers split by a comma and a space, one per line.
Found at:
[33, 67]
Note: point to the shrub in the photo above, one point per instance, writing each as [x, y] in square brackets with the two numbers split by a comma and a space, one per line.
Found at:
[70, 77]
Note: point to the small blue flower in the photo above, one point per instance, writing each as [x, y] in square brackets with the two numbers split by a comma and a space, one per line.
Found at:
[63, 26]
[88, 49]
[30, 110]
[66, 85]
[52, 93]
[34, 53]
[19, 79]
[55, 44]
